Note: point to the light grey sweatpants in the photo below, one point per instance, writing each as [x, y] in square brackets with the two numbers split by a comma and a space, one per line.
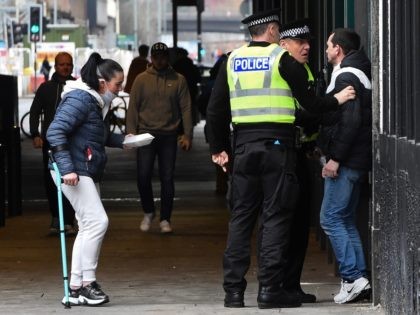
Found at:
[93, 223]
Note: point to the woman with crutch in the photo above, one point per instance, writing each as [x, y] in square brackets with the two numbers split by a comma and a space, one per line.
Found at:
[78, 135]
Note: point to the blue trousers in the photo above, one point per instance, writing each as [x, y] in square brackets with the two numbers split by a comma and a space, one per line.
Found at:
[338, 219]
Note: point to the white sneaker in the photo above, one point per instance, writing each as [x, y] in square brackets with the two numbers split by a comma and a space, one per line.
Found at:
[165, 227]
[146, 222]
[349, 291]
[73, 297]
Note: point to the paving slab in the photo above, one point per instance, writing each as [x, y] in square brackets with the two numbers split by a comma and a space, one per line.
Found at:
[144, 273]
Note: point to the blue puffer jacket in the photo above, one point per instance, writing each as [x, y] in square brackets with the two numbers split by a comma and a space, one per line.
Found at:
[78, 134]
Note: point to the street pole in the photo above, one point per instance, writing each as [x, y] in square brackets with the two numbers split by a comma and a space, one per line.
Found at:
[117, 17]
[199, 57]
[35, 68]
[175, 23]
[55, 12]
[147, 22]
[135, 23]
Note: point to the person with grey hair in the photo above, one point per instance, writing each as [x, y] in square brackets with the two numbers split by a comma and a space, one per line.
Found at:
[255, 90]
[295, 37]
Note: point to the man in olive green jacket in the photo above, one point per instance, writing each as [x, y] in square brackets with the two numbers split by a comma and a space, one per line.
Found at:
[160, 104]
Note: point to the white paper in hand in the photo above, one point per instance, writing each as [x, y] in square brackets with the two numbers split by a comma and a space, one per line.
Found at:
[138, 140]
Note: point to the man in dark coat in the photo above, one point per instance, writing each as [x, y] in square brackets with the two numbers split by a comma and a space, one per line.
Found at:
[346, 141]
[256, 90]
[185, 66]
[137, 66]
[295, 38]
[46, 100]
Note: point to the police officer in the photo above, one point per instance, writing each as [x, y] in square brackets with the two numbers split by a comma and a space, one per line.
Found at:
[295, 38]
[254, 90]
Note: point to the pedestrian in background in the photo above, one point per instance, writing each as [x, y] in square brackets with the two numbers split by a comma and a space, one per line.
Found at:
[159, 104]
[77, 136]
[256, 91]
[45, 69]
[137, 66]
[185, 66]
[203, 100]
[44, 105]
[346, 141]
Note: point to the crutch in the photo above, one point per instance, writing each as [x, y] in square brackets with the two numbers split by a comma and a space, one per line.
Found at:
[58, 182]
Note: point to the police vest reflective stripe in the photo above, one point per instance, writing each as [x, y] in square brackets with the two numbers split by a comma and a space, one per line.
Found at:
[257, 91]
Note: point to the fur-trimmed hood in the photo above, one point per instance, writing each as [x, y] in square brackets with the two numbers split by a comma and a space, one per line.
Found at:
[80, 85]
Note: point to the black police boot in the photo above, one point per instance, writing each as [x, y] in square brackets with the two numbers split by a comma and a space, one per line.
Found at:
[234, 299]
[276, 297]
[303, 297]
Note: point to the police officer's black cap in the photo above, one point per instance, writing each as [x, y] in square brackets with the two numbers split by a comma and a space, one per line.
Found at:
[262, 18]
[296, 30]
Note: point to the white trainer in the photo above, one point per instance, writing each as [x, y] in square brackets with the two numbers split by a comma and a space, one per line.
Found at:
[147, 222]
[165, 227]
[349, 291]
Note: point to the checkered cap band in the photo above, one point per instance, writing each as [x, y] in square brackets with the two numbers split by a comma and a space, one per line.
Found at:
[266, 19]
[295, 32]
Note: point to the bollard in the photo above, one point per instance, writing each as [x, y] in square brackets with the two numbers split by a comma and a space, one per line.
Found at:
[14, 181]
[2, 184]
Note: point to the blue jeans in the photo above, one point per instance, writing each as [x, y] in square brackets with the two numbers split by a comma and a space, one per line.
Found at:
[338, 219]
[165, 148]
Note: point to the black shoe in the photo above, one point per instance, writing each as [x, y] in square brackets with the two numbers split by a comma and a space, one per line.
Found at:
[276, 297]
[234, 299]
[54, 227]
[303, 297]
[92, 295]
[364, 296]
[73, 297]
[70, 230]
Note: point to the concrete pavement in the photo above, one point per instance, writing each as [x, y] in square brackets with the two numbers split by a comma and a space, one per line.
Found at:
[147, 273]
[144, 273]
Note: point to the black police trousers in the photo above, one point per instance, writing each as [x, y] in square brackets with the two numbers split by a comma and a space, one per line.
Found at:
[301, 222]
[264, 187]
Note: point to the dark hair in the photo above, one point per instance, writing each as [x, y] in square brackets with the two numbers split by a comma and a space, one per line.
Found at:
[216, 67]
[143, 50]
[347, 39]
[96, 68]
[258, 30]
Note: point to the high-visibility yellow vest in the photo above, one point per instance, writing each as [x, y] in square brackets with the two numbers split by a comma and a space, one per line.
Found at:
[310, 75]
[258, 93]
[302, 136]
[310, 79]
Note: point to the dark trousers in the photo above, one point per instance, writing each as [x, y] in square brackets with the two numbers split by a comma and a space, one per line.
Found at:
[165, 148]
[299, 232]
[264, 186]
[51, 191]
